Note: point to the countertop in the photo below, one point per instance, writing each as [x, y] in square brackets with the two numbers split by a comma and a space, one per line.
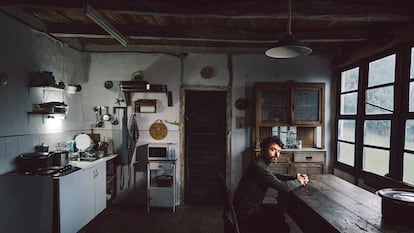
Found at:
[87, 164]
[302, 149]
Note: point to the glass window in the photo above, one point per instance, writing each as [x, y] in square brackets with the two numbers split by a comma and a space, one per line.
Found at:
[376, 161]
[349, 103]
[412, 64]
[408, 167]
[380, 100]
[346, 153]
[377, 133]
[408, 172]
[381, 71]
[349, 80]
[349, 86]
[409, 135]
[346, 130]
[411, 94]
[411, 97]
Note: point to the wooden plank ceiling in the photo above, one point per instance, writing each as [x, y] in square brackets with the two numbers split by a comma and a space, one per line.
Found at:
[211, 26]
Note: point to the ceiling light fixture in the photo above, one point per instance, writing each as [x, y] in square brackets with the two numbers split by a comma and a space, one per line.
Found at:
[95, 16]
[288, 46]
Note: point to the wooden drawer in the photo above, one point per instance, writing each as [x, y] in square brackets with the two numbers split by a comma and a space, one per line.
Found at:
[285, 157]
[161, 165]
[281, 168]
[308, 168]
[309, 157]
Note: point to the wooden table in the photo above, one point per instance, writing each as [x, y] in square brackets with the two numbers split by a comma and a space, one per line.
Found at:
[331, 204]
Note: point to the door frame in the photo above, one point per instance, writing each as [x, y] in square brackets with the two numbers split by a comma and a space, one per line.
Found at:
[183, 90]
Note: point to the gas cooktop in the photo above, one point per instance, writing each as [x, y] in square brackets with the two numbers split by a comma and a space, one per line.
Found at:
[54, 171]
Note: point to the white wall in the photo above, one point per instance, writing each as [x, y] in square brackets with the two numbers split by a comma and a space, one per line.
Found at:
[23, 51]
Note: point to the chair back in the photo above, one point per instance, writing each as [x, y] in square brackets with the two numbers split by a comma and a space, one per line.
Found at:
[231, 224]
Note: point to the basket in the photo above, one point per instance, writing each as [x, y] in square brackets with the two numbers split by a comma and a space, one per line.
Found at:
[164, 180]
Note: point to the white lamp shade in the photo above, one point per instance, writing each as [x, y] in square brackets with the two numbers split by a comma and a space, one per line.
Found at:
[288, 47]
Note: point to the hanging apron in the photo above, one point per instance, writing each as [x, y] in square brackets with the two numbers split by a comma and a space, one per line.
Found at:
[129, 140]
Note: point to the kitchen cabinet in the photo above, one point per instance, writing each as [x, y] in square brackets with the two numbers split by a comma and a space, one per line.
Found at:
[289, 104]
[93, 186]
[161, 184]
[70, 196]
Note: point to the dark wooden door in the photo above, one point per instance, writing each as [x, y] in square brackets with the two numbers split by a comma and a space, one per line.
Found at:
[205, 145]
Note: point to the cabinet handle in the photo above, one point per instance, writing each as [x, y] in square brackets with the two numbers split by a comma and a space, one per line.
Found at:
[308, 157]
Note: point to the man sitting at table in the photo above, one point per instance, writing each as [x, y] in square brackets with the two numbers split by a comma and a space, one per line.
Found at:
[252, 215]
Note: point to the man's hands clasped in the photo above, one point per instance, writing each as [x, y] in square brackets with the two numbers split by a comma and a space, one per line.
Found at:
[303, 178]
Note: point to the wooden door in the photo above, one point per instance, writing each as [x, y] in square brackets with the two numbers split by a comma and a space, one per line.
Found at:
[205, 144]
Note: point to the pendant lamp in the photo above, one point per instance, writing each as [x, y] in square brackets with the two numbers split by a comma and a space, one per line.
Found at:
[288, 46]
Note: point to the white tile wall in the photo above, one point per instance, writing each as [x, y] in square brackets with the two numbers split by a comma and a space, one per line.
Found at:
[13, 146]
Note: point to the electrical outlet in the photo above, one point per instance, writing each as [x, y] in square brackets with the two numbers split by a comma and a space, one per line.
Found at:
[4, 81]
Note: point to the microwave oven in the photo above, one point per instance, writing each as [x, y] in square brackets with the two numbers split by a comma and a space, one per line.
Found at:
[161, 151]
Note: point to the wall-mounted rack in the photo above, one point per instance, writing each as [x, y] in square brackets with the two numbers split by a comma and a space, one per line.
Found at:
[129, 87]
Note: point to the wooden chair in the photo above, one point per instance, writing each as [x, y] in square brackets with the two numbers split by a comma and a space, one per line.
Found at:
[229, 215]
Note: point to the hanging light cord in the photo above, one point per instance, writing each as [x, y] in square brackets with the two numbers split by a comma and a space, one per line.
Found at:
[289, 24]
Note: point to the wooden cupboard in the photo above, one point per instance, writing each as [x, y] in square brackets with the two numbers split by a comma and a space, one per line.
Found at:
[292, 104]
[287, 104]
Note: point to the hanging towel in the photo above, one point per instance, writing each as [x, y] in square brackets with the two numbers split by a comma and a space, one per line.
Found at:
[129, 141]
[124, 155]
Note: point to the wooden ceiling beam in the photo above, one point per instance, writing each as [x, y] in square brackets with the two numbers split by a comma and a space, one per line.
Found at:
[207, 34]
[319, 10]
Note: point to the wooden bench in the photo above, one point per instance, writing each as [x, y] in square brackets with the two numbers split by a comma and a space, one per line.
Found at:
[231, 224]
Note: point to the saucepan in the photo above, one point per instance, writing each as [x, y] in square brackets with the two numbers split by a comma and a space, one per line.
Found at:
[60, 158]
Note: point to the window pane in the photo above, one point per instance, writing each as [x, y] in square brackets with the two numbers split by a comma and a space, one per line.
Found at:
[275, 105]
[412, 64]
[408, 173]
[346, 153]
[346, 130]
[381, 71]
[380, 100]
[411, 98]
[376, 161]
[377, 133]
[349, 80]
[349, 103]
[409, 135]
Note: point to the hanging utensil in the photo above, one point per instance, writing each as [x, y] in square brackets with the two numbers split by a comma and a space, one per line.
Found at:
[115, 118]
[106, 116]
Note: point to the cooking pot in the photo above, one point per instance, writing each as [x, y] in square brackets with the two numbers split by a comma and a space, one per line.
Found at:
[60, 158]
[30, 162]
[397, 205]
[43, 148]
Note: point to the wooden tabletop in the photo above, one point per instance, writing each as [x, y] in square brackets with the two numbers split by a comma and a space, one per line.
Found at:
[331, 204]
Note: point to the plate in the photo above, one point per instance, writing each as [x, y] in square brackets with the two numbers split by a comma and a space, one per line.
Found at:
[83, 141]
[158, 130]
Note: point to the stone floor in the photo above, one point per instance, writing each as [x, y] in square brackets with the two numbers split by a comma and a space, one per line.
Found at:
[120, 218]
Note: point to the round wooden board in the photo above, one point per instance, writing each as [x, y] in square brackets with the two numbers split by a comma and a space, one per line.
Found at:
[158, 130]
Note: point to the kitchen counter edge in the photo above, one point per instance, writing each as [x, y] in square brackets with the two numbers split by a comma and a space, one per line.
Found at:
[87, 164]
